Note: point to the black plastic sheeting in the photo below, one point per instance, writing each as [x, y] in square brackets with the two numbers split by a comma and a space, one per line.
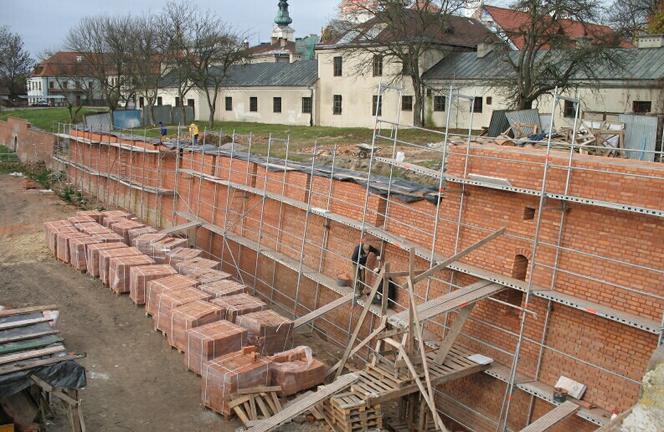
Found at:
[64, 375]
[401, 189]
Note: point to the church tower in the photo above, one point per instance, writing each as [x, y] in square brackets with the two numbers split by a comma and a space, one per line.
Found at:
[282, 29]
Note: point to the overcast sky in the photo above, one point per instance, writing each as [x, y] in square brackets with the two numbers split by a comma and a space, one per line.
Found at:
[44, 24]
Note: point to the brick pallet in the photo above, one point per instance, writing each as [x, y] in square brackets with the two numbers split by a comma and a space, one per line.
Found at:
[205, 276]
[140, 276]
[195, 264]
[296, 370]
[123, 227]
[159, 249]
[78, 251]
[119, 270]
[268, 331]
[223, 288]
[96, 215]
[348, 412]
[169, 300]
[132, 234]
[239, 304]
[79, 219]
[93, 251]
[106, 255]
[191, 315]
[63, 238]
[225, 375]
[50, 233]
[178, 255]
[156, 287]
[143, 242]
[209, 341]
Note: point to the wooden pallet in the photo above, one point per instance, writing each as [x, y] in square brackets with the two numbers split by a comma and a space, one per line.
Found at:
[349, 412]
[255, 403]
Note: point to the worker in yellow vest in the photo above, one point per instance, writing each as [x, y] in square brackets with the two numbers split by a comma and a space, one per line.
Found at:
[193, 131]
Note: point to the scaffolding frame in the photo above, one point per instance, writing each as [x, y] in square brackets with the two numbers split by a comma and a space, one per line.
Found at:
[365, 228]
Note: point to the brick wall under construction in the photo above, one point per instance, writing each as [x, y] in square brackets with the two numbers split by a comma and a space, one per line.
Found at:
[604, 262]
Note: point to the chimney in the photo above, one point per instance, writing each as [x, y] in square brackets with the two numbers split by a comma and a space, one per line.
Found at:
[484, 48]
[650, 41]
[245, 43]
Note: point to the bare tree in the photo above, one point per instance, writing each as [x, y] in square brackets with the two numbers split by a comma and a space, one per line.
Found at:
[15, 62]
[633, 16]
[104, 43]
[400, 31]
[215, 48]
[548, 55]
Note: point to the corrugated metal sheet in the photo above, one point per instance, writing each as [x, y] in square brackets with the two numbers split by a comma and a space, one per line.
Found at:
[498, 124]
[98, 122]
[637, 64]
[524, 117]
[127, 119]
[640, 135]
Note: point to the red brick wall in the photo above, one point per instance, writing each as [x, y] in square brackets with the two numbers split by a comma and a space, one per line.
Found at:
[30, 145]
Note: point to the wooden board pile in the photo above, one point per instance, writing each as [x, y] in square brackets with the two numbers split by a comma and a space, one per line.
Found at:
[348, 412]
[268, 331]
[209, 341]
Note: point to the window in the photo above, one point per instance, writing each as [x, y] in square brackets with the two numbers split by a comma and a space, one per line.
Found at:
[177, 101]
[528, 213]
[377, 65]
[429, 92]
[338, 66]
[641, 106]
[439, 103]
[377, 106]
[190, 102]
[229, 103]
[253, 104]
[307, 107]
[569, 109]
[477, 104]
[406, 103]
[337, 105]
[141, 102]
[159, 101]
[39, 85]
[276, 104]
[489, 100]
[90, 85]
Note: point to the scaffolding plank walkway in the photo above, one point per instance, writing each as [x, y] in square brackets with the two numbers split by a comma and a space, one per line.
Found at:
[550, 419]
[450, 302]
[88, 141]
[322, 310]
[301, 405]
[645, 324]
[182, 227]
[409, 166]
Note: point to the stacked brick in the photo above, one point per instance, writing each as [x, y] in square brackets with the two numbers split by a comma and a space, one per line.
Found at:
[296, 370]
[209, 341]
[167, 301]
[78, 251]
[140, 276]
[267, 330]
[238, 304]
[188, 316]
[178, 255]
[92, 255]
[196, 265]
[105, 257]
[223, 288]
[119, 270]
[158, 286]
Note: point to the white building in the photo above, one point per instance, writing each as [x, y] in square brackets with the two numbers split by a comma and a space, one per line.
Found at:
[63, 76]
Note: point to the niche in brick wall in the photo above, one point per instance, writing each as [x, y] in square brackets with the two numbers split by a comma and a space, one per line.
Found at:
[512, 296]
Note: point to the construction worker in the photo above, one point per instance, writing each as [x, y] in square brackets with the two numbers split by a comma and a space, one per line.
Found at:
[193, 131]
[162, 132]
[359, 260]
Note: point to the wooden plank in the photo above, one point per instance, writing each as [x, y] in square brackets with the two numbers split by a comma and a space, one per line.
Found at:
[26, 310]
[453, 334]
[550, 419]
[11, 358]
[360, 321]
[443, 264]
[359, 346]
[323, 310]
[305, 403]
[182, 227]
[29, 344]
[37, 363]
[19, 338]
[258, 389]
[22, 323]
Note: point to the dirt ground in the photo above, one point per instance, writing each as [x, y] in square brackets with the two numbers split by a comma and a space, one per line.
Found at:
[136, 382]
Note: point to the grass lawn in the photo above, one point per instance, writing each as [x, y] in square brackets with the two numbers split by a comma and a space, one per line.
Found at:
[46, 118]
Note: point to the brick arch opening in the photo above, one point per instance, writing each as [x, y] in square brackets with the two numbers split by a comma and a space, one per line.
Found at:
[15, 143]
[520, 267]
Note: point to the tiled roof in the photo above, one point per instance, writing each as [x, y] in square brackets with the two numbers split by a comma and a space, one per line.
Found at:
[513, 21]
[63, 63]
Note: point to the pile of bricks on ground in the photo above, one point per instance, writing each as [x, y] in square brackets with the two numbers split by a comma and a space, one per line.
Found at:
[227, 336]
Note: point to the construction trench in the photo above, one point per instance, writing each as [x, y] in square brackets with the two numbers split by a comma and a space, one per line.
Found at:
[530, 267]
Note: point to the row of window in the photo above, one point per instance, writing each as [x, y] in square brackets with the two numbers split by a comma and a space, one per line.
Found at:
[439, 104]
[307, 104]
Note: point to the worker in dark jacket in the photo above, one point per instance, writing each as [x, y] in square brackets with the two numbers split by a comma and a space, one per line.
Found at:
[359, 258]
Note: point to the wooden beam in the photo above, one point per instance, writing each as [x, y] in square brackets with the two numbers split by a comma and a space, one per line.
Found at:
[22, 323]
[453, 334]
[19, 338]
[37, 363]
[26, 310]
[386, 290]
[358, 326]
[553, 417]
[304, 404]
[456, 257]
[317, 313]
[361, 345]
[25, 355]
